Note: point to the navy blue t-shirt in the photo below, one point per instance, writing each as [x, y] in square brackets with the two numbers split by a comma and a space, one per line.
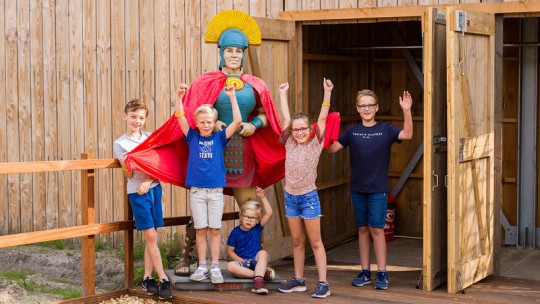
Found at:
[206, 168]
[246, 243]
[369, 152]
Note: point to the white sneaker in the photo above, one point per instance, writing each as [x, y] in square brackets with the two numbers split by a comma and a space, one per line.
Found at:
[200, 274]
[215, 275]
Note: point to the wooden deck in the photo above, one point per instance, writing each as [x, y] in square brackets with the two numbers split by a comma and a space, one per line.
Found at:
[402, 290]
[404, 258]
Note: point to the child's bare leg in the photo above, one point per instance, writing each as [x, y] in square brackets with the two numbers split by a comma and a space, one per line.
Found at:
[215, 243]
[152, 256]
[379, 244]
[313, 229]
[201, 243]
[240, 271]
[262, 262]
[299, 250]
[364, 244]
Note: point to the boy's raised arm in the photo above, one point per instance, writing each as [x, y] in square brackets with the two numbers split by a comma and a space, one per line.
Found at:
[266, 205]
[406, 103]
[179, 108]
[237, 116]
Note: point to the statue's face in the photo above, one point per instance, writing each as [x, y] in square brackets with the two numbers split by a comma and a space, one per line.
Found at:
[232, 56]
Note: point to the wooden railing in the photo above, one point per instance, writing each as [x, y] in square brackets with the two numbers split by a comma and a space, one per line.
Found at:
[89, 228]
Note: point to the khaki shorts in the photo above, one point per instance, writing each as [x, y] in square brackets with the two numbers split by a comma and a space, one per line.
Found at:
[206, 207]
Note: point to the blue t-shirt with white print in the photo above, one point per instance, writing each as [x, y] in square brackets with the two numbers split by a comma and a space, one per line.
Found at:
[206, 167]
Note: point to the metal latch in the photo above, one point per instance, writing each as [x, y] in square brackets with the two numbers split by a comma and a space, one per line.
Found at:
[437, 139]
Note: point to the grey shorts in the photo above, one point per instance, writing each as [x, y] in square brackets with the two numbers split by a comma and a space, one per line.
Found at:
[206, 207]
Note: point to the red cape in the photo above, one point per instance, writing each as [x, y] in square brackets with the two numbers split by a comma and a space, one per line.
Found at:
[164, 154]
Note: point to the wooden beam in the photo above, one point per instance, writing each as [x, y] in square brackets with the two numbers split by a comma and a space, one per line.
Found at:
[88, 257]
[27, 238]
[62, 165]
[521, 8]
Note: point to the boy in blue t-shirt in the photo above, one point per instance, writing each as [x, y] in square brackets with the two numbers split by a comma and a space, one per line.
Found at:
[244, 244]
[369, 145]
[206, 177]
[144, 193]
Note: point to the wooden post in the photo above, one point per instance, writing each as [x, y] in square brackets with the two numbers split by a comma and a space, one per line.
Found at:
[129, 272]
[88, 217]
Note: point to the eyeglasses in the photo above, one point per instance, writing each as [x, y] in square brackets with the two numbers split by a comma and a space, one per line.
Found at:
[301, 130]
[250, 218]
[366, 106]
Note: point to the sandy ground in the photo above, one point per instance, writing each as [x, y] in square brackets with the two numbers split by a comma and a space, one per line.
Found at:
[55, 268]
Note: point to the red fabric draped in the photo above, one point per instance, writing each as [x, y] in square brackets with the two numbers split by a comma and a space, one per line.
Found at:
[164, 154]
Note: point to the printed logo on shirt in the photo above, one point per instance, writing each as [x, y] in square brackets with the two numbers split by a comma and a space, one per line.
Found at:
[205, 148]
[367, 135]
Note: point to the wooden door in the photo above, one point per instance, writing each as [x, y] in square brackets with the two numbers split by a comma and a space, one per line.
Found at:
[471, 87]
[435, 150]
[273, 62]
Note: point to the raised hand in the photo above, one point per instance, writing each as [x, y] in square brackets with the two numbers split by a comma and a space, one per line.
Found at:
[327, 84]
[406, 101]
[284, 87]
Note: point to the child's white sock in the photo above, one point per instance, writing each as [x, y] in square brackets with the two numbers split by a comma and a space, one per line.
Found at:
[203, 264]
[215, 264]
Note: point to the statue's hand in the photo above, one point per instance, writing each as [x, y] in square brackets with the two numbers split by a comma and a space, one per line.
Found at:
[247, 129]
[220, 125]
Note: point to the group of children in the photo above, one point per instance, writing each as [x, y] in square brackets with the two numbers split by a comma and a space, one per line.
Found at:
[206, 179]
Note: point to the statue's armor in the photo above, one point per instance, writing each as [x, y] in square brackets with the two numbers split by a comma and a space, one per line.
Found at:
[235, 154]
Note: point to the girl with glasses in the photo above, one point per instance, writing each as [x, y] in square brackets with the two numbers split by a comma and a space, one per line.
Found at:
[302, 205]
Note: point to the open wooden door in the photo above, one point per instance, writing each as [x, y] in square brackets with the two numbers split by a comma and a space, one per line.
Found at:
[471, 87]
[435, 151]
[273, 62]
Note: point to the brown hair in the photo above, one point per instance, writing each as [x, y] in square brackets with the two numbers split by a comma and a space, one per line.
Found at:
[300, 116]
[367, 92]
[135, 105]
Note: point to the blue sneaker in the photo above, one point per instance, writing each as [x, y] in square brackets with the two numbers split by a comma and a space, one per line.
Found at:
[293, 285]
[322, 290]
[382, 280]
[363, 278]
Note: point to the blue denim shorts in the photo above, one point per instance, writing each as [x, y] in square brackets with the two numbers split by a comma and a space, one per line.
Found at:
[369, 209]
[306, 206]
[147, 208]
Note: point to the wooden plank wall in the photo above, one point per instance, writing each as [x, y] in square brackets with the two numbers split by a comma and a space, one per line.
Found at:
[67, 68]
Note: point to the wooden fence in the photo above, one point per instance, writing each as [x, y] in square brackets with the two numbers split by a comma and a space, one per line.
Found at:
[88, 229]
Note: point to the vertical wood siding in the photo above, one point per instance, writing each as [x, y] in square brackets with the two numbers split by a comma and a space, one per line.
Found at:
[67, 68]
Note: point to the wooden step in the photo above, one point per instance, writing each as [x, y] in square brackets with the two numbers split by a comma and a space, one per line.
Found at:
[230, 282]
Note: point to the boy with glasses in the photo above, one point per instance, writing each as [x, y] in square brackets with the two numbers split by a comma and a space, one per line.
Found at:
[369, 145]
[244, 244]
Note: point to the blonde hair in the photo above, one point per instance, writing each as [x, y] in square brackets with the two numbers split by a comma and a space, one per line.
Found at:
[367, 92]
[135, 105]
[206, 109]
[251, 205]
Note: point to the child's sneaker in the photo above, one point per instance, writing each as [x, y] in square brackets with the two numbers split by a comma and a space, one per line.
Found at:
[215, 275]
[322, 290]
[382, 280]
[200, 274]
[150, 286]
[363, 278]
[165, 291]
[269, 274]
[294, 285]
[258, 286]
